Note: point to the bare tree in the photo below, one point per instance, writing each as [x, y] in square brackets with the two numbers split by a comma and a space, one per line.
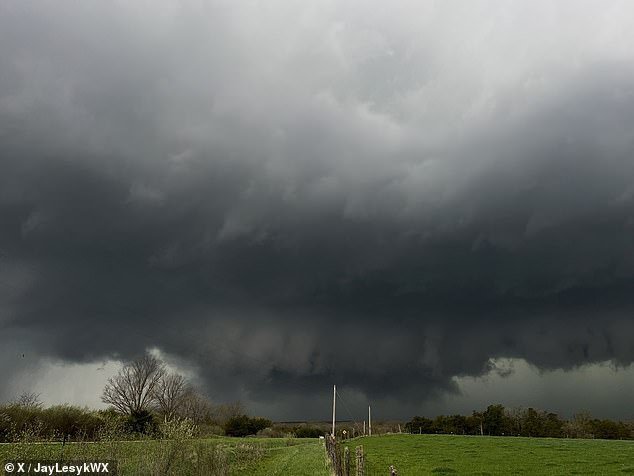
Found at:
[230, 410]
[197, 407]
[133, 389]
[170, 394]
[29, 400]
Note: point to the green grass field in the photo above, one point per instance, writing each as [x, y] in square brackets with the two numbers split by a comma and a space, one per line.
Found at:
[478, 455]
[305, 459]
[204, 457]
[411, 454]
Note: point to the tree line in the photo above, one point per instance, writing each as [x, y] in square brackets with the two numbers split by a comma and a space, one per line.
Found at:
[145, 394]
[141, 397]
[497, 420]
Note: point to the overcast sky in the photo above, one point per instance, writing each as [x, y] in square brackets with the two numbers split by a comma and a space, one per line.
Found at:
[428, 203]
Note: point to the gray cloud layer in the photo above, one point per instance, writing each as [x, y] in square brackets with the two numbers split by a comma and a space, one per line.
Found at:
[288, 196]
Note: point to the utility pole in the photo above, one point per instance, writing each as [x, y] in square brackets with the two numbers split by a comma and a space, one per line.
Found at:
[369, 421]
[334, 401]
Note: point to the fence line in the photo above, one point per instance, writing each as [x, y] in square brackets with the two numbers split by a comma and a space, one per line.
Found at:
[340, 459]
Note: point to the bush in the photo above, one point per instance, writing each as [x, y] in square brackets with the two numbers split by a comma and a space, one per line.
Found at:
[142, 422]
[178, 429]
[66, 421]
[308, 432]
[243, 425]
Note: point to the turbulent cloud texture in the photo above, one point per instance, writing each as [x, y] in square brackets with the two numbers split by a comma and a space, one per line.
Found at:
[286, 195]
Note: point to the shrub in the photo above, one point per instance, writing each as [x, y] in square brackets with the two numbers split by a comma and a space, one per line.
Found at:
[308, 432]
[243, 425]
[141, 421]
[66, 421]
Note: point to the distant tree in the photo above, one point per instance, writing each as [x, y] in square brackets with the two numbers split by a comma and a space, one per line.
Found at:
[533, 423]
[196, 407]
[243, 425]
[580, 426]
[456, 425]
[28, 401]
[420, 424]
[133, 389]
[477, 419]
[232, 409]
[609, 429]
[450, 425]
[495, 421]
[553, 426]
[224, 412]
[308, 432]
[515, 417]
[170, 395]
[472, 424]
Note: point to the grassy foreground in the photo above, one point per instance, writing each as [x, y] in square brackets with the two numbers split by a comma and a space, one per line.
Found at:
[481, 455]
[209, 457]
[305, 459]
[411, 455]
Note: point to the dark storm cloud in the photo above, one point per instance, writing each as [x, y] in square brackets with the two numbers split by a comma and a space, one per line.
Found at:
[287, 197]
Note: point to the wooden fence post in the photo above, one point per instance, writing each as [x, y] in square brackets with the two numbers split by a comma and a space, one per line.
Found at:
[333, 453]
[360, 461]
[346, 461]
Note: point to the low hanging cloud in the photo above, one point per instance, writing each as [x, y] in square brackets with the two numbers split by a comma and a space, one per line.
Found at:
[288, 196]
